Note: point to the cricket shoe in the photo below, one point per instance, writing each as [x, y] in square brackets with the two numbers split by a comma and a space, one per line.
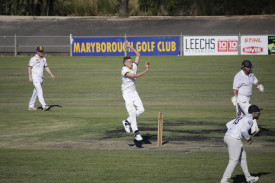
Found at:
[46, 108]
[137, 136]
[252, 179]
[126, 125]
[32, 109]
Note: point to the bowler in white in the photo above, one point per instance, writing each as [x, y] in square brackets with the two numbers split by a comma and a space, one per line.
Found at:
[130, 95]
[35, 70]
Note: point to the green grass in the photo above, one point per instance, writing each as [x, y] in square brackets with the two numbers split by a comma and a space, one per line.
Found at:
[193, 93]
[120, 166]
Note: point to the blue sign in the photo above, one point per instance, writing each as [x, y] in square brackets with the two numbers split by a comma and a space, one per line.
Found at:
[150, 46]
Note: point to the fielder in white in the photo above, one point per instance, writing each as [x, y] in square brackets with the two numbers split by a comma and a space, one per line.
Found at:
[132, 100]
[237, 129]
[242, 90]
[35, 70]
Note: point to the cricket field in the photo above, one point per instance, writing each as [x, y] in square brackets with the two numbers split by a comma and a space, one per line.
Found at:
[81, 138]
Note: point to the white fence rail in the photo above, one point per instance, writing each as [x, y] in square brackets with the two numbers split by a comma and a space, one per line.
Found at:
[18, 45]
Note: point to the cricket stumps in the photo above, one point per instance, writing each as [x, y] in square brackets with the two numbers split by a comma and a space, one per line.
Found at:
[160, 128]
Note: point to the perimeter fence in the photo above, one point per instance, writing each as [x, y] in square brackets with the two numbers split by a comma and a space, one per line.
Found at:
[180, 45]
[26, 45]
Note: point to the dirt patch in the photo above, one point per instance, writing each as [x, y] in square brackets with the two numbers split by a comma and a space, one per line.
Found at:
[147, 145]
[190, 141]
[187, 141]
[173, 146]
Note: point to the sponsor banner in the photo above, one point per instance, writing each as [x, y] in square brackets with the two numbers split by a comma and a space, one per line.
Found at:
[254, 45]
[271, 45]
[116, 46]
[210, 45]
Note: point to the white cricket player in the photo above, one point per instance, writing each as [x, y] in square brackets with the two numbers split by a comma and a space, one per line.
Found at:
[242, 91]
[237, 129]
[132, 100]
[35, 70]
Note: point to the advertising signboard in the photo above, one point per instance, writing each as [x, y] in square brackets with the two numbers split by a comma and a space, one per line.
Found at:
[210, 45]
[271, 45]
[116, 46]
[254, 45]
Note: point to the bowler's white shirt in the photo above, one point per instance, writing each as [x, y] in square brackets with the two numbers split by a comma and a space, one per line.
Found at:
[239, 127]
[244, 83]
[128, 84]
[38, 66]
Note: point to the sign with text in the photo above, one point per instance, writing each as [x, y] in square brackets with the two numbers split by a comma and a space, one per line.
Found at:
[116, 46]
[210, 45]
[254, 45]
[271, 45]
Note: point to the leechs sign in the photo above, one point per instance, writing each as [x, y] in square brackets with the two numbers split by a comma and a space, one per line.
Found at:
[210, 45]
[116, 46]
[254, 45]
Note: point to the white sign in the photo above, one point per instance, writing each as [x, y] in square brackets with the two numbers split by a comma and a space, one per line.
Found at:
[210, 45]
[254, 45]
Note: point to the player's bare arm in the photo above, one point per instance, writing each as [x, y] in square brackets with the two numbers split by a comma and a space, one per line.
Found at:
[49, 71]
[134, 50]
[30, 74]
[249, 141]
[235, 92]
[132, 75]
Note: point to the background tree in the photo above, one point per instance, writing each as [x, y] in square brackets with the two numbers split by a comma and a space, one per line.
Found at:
[123, 8]
[137, 7]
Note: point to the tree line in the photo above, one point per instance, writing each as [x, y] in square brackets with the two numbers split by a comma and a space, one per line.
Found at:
[136, 7]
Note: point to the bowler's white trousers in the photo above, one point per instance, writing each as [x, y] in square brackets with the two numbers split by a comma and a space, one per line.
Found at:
[37, 92]
[134, 107]
[236, 154]
[244, 103]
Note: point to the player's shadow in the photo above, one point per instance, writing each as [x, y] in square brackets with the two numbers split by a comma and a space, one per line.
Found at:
[138, 144]
[241, 178]
[265, 132]
[146, 140]
[50, 106]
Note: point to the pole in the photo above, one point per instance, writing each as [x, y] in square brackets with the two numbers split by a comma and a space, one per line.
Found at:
[125, 51]
[15, 48]
[181, 44]
[71, 43]
[239, 44]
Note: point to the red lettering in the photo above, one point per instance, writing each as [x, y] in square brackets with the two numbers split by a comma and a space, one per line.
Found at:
[253, 49]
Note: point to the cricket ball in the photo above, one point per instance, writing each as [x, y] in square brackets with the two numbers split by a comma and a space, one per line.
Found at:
[147, 63]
